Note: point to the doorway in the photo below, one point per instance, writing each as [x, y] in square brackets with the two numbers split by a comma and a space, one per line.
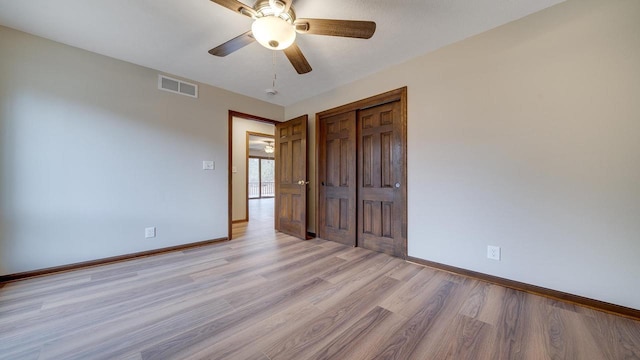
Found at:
[362, 176]
[241, 129]
[260, 174]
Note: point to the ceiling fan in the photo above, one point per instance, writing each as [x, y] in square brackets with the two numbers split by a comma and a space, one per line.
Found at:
[275, 26]
[269, 149]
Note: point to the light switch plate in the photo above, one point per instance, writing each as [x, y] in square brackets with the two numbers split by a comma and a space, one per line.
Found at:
[208, 165]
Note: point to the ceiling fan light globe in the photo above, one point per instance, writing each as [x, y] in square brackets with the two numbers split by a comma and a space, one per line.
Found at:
[273, 32]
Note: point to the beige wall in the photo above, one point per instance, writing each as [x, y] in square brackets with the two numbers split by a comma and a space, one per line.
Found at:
[526, 137]
[91, 153]
[239, 155]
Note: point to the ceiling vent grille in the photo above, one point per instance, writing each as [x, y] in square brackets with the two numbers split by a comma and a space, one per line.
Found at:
[177, 86]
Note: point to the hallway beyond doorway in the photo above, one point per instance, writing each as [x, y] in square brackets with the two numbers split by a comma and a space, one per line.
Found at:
[261, 217]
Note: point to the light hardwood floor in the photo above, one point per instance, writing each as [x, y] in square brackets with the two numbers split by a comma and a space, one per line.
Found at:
[266, 295]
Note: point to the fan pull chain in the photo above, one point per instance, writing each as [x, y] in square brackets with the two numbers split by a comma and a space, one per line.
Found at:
[274, 70]
[272, 91]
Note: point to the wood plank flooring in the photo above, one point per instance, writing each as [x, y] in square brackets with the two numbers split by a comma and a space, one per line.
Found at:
[268, 296]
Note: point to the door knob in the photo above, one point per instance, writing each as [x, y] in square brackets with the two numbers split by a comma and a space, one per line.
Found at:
[302, 182]
[397, 184]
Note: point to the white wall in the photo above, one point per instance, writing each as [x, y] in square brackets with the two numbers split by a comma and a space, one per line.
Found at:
[526, 137]
[91, 153]
[239, 159]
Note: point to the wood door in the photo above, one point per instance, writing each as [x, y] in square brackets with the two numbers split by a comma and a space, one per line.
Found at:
[336, 173]
[291, 177]
[381, 179]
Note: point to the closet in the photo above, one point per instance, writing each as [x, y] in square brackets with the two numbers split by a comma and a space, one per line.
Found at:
[362, 177]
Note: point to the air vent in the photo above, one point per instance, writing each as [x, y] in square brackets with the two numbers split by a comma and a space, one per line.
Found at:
[177, 86]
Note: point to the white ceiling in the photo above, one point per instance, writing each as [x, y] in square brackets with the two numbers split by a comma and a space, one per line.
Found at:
[173, 36]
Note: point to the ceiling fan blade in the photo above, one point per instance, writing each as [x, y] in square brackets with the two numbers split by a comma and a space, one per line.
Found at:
[236, 6]
[344, 28]
[234, 44]
[296, 58]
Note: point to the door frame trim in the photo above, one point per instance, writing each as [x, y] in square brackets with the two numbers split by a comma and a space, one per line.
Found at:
[400, 95]
[245, 116]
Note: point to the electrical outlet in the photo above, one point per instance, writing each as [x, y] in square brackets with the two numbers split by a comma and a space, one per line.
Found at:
[493, 252]
[150, 232]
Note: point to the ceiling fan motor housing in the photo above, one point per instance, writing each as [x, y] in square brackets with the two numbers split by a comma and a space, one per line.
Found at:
[264, 8]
